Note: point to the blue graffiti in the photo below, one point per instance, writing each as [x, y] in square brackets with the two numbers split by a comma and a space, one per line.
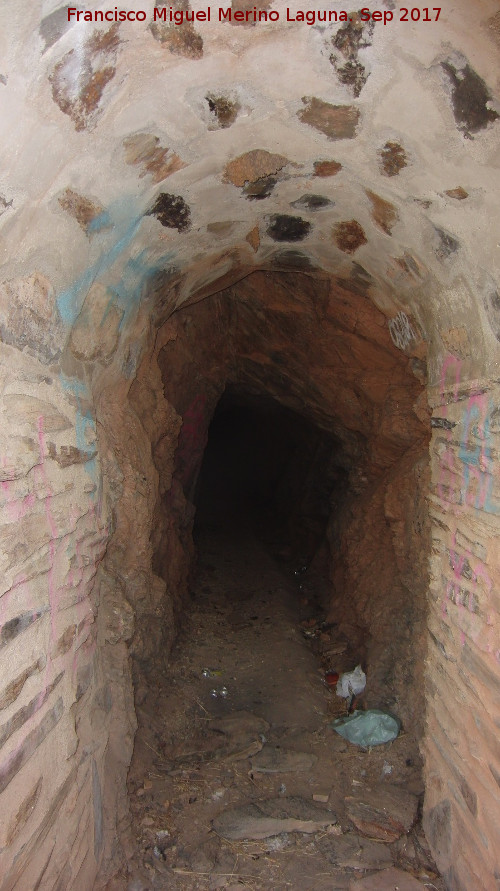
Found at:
[69, 302]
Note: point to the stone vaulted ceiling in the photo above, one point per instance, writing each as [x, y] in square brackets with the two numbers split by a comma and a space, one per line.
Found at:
[141, 151]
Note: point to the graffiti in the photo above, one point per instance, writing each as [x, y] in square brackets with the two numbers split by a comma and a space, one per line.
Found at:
[402, 334]
[467, 472]
[466, 475]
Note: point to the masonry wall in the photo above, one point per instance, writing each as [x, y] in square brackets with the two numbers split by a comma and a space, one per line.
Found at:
[55, 524]
[462, 752]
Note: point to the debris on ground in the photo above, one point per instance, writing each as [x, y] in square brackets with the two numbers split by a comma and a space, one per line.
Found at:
[372, 727]
[383, 812]
[253, 789]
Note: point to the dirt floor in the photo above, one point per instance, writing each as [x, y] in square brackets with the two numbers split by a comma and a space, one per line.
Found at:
[238, 779]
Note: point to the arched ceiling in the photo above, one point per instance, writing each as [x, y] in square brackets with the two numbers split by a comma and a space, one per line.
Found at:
[138, 154]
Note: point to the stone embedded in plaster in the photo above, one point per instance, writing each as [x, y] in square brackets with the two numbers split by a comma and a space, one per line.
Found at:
[143, 150]
[384, 214]
[287, 228]
[349, 39]
[248, 6]
[312, 203]
[459, 193]
[445, 245]
[327, 168]
[393, 158]
[96, 331]
[335, 121]
[260, 189]
[470, 98]
[171, 211]
[252, 166]
[89, 215]
[253, 238]
[349, 235]
[181, 39]
[79, 78]
[224, 110]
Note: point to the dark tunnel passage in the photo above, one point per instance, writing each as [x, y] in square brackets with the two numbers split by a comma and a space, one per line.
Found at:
[289, 540]
[267, 469]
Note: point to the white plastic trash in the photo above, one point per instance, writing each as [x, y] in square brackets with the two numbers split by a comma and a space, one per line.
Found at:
[351, 683]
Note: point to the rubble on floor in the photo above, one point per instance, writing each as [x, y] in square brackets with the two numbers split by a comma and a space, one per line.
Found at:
[254, 790]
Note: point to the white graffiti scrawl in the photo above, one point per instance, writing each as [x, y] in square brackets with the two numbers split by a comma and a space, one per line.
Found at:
[401, 331]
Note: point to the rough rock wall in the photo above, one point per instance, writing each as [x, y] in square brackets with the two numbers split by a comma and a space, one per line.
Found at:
[289, 337]
[379, 543]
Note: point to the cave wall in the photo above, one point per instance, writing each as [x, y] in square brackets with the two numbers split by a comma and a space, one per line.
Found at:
[326, 353]
[149, 168]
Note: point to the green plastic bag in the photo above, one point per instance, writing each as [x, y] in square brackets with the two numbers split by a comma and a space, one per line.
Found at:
[370, 728]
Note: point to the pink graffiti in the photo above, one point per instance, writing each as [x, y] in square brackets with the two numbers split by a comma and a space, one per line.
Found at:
[446, 466]
[471, 468]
